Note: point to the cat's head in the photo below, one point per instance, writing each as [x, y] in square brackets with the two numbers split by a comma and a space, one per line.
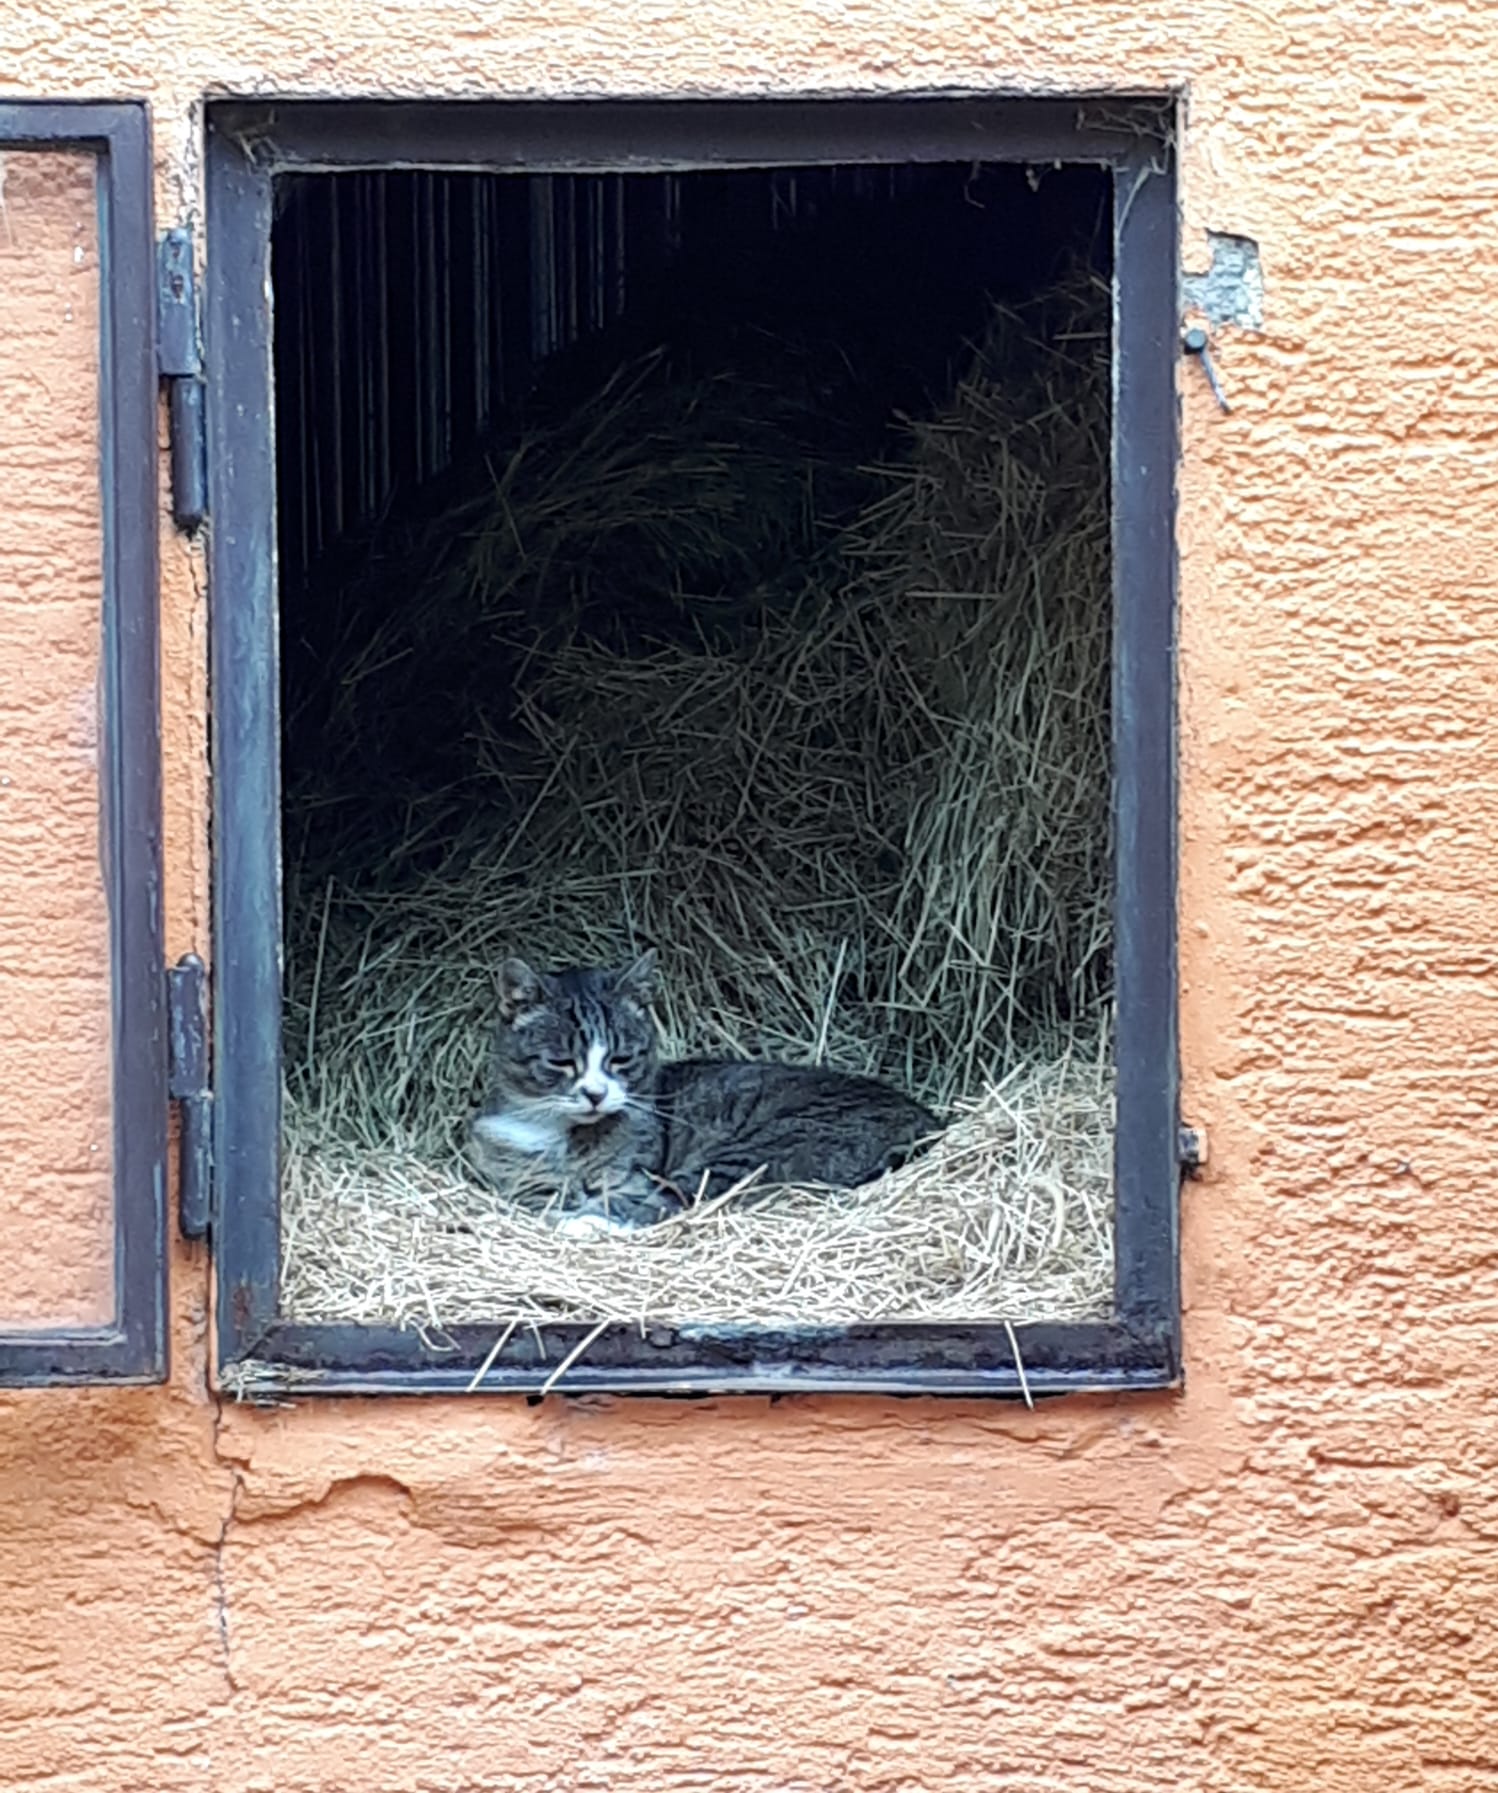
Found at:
[578, 1044]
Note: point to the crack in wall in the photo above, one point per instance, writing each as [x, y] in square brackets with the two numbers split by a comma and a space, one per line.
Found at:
[220, 1549]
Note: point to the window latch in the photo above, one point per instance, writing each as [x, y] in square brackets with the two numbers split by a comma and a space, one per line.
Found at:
[187, 1060]
[181, 366]
[1196, 342]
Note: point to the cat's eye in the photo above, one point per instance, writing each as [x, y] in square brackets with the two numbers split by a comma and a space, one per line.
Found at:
[560, 1064]
[624, 1061]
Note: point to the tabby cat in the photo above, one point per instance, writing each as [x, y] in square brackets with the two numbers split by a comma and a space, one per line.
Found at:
[579, 1101]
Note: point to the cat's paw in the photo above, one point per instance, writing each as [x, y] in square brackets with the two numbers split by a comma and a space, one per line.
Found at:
[590, 1226]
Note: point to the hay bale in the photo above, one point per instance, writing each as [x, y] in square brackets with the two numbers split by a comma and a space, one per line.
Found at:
[853, 782]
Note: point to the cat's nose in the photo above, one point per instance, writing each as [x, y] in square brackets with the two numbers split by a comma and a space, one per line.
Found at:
[595, 1096]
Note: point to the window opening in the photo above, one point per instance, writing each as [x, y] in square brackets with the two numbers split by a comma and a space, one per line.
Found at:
[719, 564]
[754, 607]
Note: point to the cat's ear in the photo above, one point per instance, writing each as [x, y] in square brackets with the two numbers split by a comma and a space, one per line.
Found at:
[519, 989]
[638, 981]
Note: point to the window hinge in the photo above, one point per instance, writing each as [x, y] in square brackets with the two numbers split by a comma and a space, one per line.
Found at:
[1192, 1149]
[187, 1059]
[181, 367]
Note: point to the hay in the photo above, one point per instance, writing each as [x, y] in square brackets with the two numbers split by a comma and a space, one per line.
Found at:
[852, 781]
[1011, 1212]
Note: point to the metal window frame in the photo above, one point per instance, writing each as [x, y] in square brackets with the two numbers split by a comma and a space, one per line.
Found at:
[132, 1346]
[248, 145]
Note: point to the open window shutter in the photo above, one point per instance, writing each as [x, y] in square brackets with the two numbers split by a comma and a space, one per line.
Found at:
[83, 1063]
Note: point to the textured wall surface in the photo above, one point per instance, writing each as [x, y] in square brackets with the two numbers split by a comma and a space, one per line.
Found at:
[1284, 1578]
[57, 1263]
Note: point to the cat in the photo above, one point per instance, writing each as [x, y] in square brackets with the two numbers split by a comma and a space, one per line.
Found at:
[567, 1109]
[579, 1100]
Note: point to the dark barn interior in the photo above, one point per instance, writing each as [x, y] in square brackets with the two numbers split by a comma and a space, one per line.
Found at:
[415, 311]
[713, 560]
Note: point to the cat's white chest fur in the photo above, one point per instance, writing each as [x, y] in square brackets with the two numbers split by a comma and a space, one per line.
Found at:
[521, 1133]
[533, 1137]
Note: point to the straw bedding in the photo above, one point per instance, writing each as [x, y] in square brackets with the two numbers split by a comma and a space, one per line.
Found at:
[672, 668]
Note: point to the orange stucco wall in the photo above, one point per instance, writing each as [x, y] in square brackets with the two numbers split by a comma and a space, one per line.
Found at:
[56, 1185]
[1286, 1577]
